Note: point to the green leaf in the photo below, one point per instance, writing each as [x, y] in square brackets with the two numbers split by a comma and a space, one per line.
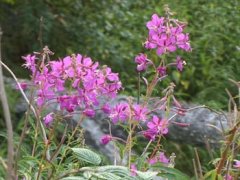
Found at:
[167, 176]
[124, 173]
[26, 162]
[107, 176]
[141, 161]
[147, 175]
[167, 171]
[211, 175]
[117, 170]
[74, 178]
[87, 155]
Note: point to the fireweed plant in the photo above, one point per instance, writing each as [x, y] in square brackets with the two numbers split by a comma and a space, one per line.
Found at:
[77, 85]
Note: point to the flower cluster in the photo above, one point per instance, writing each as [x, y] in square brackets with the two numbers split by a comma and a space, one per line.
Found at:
[123, 111]
[156, 127]
[86, 78]
[166, 36]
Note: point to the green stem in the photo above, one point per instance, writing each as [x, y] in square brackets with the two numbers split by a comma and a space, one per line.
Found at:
[225, 152]
[35, 139]
[156, 147]
[7, 116]
[138, 98]
[130, 145]
[146, 148]
[150, 88]
[69, 140]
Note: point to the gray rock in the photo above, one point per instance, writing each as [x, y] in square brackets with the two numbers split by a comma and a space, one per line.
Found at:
[204, 125]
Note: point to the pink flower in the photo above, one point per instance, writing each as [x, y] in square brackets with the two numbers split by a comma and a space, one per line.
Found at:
[236, 164]
[155, 22]
[228, 177]
[66, 102]
[142, 62]
[153, 160]
[57, 68]
[162, 158]
[111, 76]
[162, 71]
[165, 46]
[139, 113]
[106, 139]
[150, 134]
[157, 125]
[30, 62]
[89, 112]
[106, 109]
[159, 158]
[47, 120]
[180, 63]
[133, 170]
[22, 85]
[120, 113]
[183, 42]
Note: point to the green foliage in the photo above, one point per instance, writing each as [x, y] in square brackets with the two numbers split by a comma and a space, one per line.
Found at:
[112, 31]
[120, 171]
[169, 173]
[74, 178]
[87, 156]
[185, 154]
[13, 97]
[110, 173]
[212, 175]
[123, 172]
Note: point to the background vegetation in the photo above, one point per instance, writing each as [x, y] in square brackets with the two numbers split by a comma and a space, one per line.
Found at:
[112, 32]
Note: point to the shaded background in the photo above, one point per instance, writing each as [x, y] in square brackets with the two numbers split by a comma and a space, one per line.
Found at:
[112, 32]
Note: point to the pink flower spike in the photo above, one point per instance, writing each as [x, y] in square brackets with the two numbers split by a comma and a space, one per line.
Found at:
[47, 120]
[236, 164]
[133, 170]
[106, 139]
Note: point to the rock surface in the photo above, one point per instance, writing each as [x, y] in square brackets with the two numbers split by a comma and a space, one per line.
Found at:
[204, 126]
